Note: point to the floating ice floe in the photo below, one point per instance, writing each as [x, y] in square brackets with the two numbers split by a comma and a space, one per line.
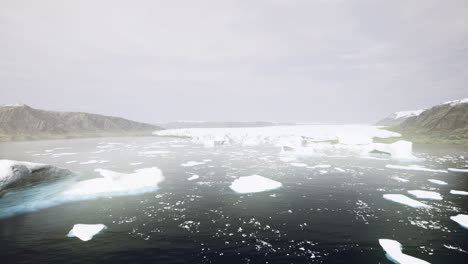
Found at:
[253, 184]
[439, 182]
[461, 219]
[135, 163]
[192, 163]
[320, 166]
[458, 192]
[296, 164]
[193, 177]
[115, 183]
[71, 161]
[425, 194]
[86, 232]
[403, 199]
[393, 250]
[413, 167]
[458, 170]
[400, 179]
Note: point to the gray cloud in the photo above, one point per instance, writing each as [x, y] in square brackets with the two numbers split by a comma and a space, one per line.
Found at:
[316, 61]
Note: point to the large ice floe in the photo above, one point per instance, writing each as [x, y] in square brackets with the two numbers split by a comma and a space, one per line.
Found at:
[253, 184]
[116, 183]
[21, 173]
[303, 140]
[403, 199]
[394, 253]
[425, 194]
[461, 219]
[86, 232]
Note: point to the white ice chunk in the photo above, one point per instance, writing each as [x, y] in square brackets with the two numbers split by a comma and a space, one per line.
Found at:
[438, 182]
[425, 194]
[400, 179]
[458, 170]
[296, 164]
[89, 162]
[191, 163]
[86, 232]
[393, 250]
[115, 183]
[400, 150]
[461, 219]
[135, 163]
[458, 192]
[193, 177]
[403, 199]
[413, 167]
[253, 184]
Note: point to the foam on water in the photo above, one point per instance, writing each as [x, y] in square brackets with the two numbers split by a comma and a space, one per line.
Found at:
[393, 250]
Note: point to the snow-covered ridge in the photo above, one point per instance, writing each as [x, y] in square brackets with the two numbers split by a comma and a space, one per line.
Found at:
[406, 114]
[456, 102]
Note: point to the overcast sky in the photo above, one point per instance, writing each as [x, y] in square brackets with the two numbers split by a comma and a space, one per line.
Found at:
[283, 60]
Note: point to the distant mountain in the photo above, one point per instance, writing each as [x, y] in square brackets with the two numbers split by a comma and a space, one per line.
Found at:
[22, 122]
[208, 124]
[446, 122]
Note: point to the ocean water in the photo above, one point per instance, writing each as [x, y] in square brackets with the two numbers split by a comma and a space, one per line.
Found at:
[332, 214]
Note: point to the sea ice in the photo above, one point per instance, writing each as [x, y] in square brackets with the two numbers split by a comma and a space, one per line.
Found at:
[191, 163]
[86, 232]
[296, 164]
[253, 184]
[425, 194]
[193, 177]
[438, 182]
[458, 192]
[458, 170]
[403, 199]
[393, 250]
[412, 167]
[461, 219]
[115, 183]
[400, 179]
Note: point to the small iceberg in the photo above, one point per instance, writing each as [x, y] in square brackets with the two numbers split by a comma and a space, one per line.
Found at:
[426, 194]
[461, 219]
[253, 184]
[458, 170]
[413, 167]
[193, 177]
[86, 232]
[458, 192]
[403, 199]
[393, 250]
[439, 182]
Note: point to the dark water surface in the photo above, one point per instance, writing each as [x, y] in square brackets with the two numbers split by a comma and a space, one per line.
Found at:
[321, 215]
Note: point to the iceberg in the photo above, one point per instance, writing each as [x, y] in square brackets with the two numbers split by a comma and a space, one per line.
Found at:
[86, 232]
[253, 184]
[425, 194]
[21, 173]
[413, 167]
[437, 182]
[115, 183]
[458, 192]
[393, 250]
[461, 219]
[403, 199]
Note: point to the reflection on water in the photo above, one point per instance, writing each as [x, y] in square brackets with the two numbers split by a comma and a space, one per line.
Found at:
[328, 210]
